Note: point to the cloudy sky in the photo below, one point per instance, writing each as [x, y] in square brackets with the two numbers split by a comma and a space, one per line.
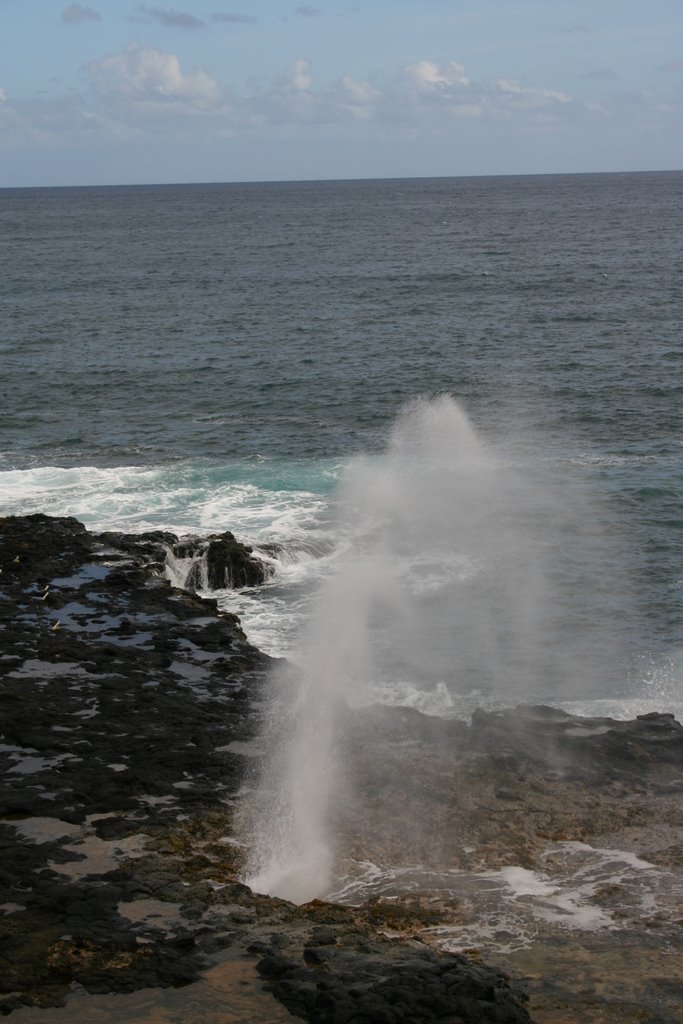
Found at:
[111, 91]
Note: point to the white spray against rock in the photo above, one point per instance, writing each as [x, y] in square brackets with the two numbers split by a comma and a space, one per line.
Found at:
[462, 574]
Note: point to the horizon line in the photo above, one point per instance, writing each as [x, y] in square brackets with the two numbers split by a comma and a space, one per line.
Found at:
[313, 181]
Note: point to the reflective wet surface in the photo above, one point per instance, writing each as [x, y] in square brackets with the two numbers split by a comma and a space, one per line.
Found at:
[229, 993]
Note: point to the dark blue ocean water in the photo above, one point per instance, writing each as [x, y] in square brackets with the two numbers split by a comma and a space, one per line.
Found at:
[212, 356]
[157, 323]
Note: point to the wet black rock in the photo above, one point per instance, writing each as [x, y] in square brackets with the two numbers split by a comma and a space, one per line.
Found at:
[231, 564]
[220, 561]
[598, 749]
[129, 710]
[151, 546]
[121, 697]
[37, 547]
[406, 983]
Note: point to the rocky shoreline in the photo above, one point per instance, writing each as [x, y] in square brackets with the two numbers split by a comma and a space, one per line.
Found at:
[128, 709]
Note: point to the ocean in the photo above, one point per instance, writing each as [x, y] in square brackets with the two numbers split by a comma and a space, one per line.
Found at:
[447, 413]
[494, 364]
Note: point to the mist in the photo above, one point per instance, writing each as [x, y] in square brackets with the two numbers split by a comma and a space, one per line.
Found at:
[464, 574]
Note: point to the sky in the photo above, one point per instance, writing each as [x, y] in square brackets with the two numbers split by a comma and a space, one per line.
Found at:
[120, 92]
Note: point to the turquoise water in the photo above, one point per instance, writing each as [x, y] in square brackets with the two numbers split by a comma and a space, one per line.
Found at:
[216, 356]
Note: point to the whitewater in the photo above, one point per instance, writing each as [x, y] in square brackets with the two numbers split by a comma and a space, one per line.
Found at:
[290, 512]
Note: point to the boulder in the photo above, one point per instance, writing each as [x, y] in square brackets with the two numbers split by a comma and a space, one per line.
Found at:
[220, 561]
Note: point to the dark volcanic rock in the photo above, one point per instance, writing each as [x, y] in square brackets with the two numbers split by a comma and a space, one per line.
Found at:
[128, 708]
[231, 564]
[602, 749]
[223, 560]
[151, 546]
[406, 983]
[38, 546]
[120, 697]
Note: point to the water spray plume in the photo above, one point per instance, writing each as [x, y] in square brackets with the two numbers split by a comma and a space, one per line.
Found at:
[462, 573]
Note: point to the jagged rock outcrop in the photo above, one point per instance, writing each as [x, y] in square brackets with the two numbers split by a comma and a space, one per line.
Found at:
[598, 749]
[229, 563]
[389, 985]
[36, 547]
[129, 709]
[129, 712]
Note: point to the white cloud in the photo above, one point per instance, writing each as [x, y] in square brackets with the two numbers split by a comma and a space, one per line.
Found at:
[144, 93]
[361, 93]
[298, 77]
[514, 94]
[140, 72]
[595, 107]
[357, 98]
[436, 94]
[75, 14]
[145, 89]
[286, 98]
[429, 77]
